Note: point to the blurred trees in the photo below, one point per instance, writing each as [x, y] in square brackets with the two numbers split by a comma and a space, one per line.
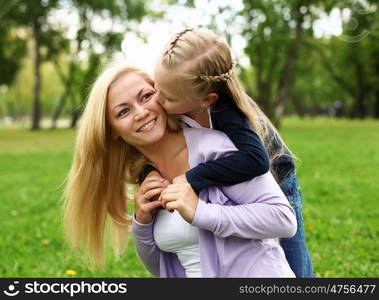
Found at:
[76, 50]
[79, 74]
[285, 57]
[350, 58]
[31, 17]
[291, 70]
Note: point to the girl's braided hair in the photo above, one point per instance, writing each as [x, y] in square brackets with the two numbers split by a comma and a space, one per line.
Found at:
[170, 52]
[221, 77]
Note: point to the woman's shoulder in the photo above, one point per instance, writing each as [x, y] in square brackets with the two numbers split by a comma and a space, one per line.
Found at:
[207, 136]
[208, 143]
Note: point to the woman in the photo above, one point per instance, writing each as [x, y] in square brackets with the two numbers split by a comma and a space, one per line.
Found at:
[225, 232]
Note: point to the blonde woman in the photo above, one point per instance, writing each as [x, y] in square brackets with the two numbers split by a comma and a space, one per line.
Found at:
[195, 76]
[224, 232]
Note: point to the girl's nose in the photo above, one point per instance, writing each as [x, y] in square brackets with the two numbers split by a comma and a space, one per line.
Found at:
[158, 99]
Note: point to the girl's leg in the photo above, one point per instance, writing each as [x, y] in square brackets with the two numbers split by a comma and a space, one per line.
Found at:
[295, 247]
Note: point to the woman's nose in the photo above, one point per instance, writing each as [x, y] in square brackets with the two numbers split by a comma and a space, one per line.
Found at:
[141, 112]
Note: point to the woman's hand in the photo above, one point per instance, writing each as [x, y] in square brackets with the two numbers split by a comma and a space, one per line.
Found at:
[181, 197]
[145, 198]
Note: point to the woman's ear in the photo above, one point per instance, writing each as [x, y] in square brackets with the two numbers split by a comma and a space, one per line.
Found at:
[209, 100]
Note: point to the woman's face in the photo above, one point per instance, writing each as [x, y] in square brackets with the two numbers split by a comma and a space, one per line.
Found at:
[131, 113]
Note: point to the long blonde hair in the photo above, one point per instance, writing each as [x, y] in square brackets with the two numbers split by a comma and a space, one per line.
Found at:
[202, 63]
[96, 184]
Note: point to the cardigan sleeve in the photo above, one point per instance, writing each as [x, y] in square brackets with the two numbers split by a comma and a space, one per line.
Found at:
[254, 209]
[268, 215]
[145, 245]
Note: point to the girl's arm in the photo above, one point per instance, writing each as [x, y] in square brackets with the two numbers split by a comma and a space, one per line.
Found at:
[256, 209]
[260, 210]
[249, 161]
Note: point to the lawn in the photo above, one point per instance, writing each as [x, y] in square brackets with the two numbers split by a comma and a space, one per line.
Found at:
[337, 168]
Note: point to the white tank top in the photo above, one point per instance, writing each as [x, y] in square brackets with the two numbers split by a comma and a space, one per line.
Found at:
[173, 234]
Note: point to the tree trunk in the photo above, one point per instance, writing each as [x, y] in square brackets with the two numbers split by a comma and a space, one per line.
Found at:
[360, 99]
[67, 92]
[298, 106]
[286, 76]
[58, 109]
[376, 108]
[36, 117]
[75, 115]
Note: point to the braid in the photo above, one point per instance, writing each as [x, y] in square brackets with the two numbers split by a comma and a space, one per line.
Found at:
[170, 51]
[220, 77]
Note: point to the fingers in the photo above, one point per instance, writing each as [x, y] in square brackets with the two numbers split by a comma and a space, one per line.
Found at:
[153, 193]
[171, 206]
[145, 212]
[150, 206]
[152, 185]
[167, 197]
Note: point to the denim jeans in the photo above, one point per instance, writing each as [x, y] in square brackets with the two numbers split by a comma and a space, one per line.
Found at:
[295, 248]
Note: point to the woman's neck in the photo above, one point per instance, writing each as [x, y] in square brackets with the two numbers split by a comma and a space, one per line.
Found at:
[201, 116]
[169, 155]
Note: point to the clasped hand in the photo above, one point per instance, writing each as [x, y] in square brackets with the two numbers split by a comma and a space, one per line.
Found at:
[176, 196]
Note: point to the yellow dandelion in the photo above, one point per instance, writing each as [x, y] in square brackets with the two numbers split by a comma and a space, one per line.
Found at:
[328, 273]
[70, 272]
[45, 242]
[310, 227]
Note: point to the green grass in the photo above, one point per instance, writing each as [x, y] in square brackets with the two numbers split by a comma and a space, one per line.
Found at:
[338, 173]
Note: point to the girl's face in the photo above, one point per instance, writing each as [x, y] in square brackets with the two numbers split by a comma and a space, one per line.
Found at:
[131, 112]
[170, 97]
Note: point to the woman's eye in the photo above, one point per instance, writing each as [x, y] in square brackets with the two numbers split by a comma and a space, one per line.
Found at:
[123, 112]
[147, 96]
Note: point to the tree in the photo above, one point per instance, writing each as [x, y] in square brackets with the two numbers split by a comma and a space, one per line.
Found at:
[31, 17]
[347, 58]
[275, 31]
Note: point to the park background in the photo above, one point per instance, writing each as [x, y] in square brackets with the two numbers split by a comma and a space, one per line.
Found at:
[312, 66]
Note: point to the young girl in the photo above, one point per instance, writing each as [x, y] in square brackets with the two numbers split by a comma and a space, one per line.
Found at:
[195, 77]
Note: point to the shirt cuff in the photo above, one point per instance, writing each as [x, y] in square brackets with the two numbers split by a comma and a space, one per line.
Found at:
[207, 216]
[140, 230]
[194, 181]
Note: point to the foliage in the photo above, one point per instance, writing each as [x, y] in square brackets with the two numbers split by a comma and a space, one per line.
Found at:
[291, 71]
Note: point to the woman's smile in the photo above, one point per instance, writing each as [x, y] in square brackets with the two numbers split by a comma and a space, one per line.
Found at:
[148, 126]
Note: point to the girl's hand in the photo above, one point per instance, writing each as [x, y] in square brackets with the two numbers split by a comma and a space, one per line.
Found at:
[145, 198]
[180, 179]
[181, 197]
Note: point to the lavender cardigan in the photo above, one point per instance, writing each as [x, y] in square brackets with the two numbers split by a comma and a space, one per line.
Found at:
[239, 225]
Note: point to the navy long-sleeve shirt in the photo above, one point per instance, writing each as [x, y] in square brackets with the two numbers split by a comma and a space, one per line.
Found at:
[249, 161]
